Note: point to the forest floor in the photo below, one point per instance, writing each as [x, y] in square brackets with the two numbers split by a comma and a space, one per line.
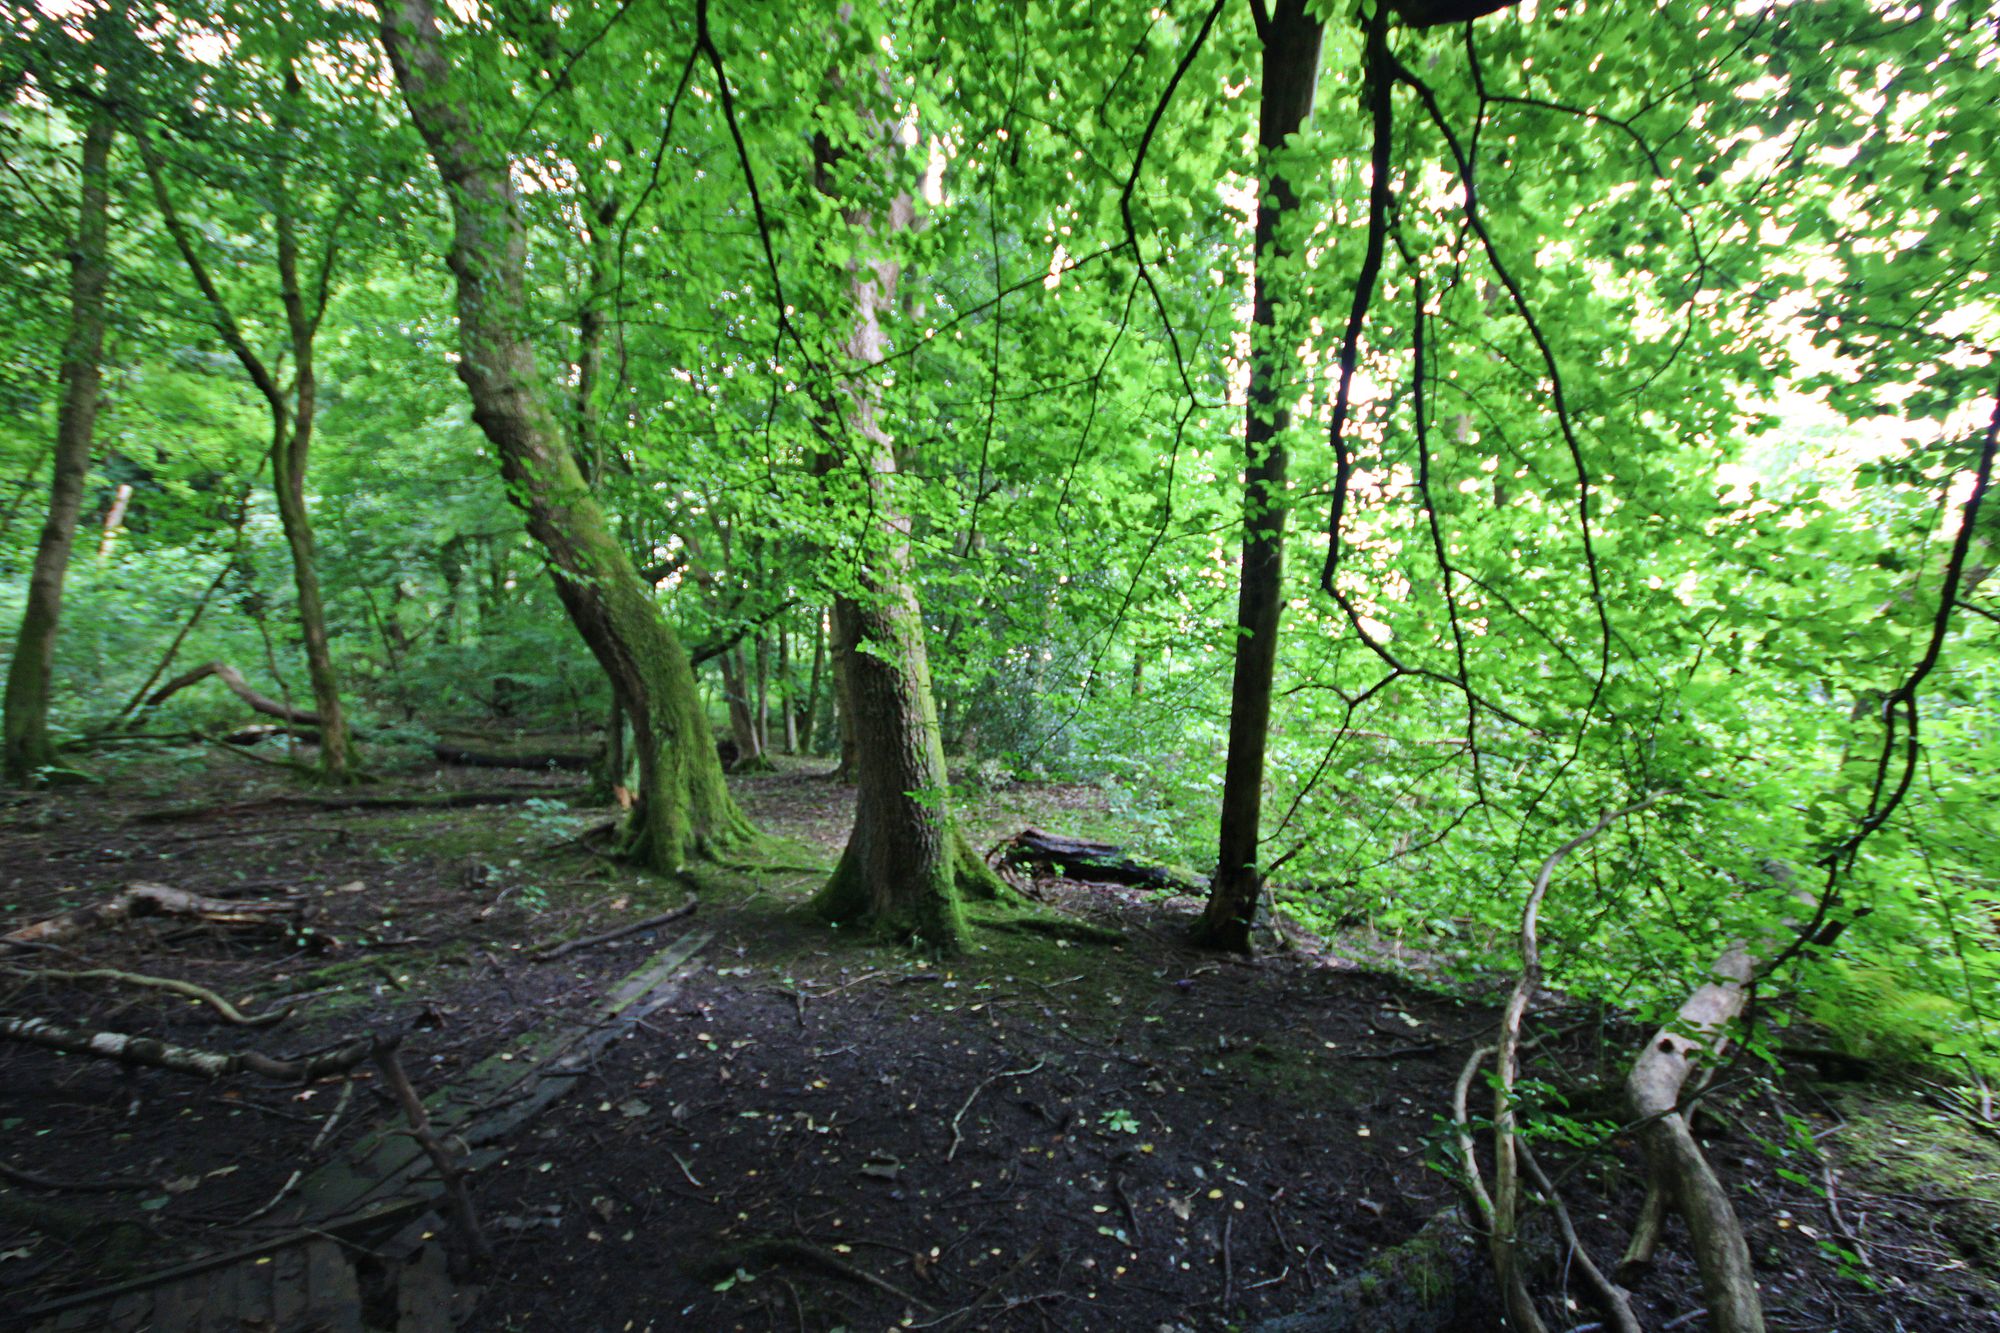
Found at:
[821, 1132]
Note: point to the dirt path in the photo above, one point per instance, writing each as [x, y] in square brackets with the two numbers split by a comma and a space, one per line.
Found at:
[816, 1132]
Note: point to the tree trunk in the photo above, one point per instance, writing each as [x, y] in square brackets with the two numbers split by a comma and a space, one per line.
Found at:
[742, 724]
[809, 720]
[843, 699]
[683, 806]
[29, 675]
[1290, 71]
[908, 866]
[290, 451]
[291, 425]
[762, 655]
[787, 700]
[114, 519]
[1696, 1035]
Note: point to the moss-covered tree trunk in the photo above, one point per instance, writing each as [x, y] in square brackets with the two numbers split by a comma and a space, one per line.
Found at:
[28, 749]
[1291, 42]
[907, 868]
[683, 807]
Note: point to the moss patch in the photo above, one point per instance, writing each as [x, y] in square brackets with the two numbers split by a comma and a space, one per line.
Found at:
[1912, 1149]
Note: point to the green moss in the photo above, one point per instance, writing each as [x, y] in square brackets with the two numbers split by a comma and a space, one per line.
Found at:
[1909, 1148]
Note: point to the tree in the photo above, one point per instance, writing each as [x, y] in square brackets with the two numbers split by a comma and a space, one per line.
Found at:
[303, 296]
[907, 866]
[1289, 40]
[682, 807]
[28, 749]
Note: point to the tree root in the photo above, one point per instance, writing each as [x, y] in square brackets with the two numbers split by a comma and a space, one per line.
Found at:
[1070, 928]
[777, 1250]
[188, 988]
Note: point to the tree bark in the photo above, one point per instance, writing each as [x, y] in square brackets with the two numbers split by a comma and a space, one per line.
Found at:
[907, 868]
[1290, 73]
[843, 699]
[809, 722]
[1729, 1284]
[27, 748]
[683, 807]
[742, 724]
[292, 413]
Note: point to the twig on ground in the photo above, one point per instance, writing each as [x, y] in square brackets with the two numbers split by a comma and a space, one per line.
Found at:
[555, 951]
[1616, 1302]
[957, 1132]
[319, 1141]
[40, 1182]
[1832, 1180]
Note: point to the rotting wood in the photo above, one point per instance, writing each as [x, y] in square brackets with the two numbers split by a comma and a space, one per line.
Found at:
[465, 756]
[448, 800]
[1081, 859]
[555, 951]
[142, 898]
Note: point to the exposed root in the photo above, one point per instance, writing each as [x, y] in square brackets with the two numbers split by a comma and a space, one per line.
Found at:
[188, 988]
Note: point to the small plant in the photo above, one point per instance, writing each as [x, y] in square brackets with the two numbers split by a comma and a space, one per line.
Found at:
[1118, 1120]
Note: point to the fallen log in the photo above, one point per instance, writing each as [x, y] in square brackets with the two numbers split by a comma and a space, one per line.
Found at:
[127, 1049]
[574, 761]
[142, 899]
[1681, 1172]
[449, 800]
[233, 680]
[1081, 859]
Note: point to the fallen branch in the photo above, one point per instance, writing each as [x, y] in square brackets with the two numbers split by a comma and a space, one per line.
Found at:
[187, 988]
[39, 1182]
[450, 1173]
[233, 679]
[131, 1050]
[145, 899]
[1698, 1031]
[555, 951]
[957, 1133]
[299, 1173]
[1615, 1300]
[1504, 1236]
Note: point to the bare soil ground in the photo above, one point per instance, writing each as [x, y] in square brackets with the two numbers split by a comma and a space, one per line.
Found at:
[823, 1132]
